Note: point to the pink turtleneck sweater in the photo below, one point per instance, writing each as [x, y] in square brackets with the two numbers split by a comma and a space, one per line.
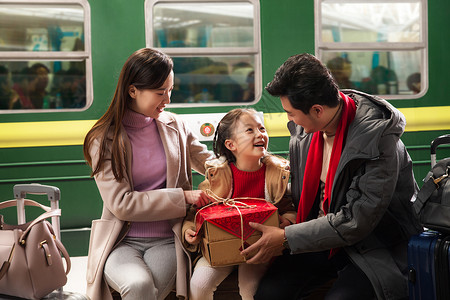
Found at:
[149, 169]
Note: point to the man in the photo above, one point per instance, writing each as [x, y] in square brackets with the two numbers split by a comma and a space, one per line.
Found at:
[352, 182]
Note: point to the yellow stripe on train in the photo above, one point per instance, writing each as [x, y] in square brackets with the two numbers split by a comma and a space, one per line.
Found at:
[417, 119]
[39, 134]
[65, 133]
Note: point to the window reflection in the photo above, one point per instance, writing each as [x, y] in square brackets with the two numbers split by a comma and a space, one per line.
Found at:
[41, 28]
[215, 48]
[203, 25]
[371, 22]
[213, 80]
[42, 85]
[375, 72]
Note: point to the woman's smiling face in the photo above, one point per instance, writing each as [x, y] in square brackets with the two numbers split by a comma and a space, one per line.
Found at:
[151, 102]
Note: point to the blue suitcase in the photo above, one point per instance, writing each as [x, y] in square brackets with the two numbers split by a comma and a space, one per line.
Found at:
[442, 268]
[421, 253]
[428, 262]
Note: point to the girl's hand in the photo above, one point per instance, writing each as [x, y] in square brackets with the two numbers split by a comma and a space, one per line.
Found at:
[198, 198]
[191, 237]
[284, 222]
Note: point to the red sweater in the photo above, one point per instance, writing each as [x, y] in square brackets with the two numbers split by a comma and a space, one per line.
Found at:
[248, 184]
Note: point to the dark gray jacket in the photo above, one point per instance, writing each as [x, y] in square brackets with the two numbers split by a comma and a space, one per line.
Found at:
[370, 214]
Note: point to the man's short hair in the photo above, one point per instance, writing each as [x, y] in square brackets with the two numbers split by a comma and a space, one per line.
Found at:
[305, 81]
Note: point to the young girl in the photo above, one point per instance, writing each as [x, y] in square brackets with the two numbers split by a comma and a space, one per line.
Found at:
[243, 169]
[141, 158]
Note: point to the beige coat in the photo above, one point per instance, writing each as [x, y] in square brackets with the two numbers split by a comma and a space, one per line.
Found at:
[122, 205]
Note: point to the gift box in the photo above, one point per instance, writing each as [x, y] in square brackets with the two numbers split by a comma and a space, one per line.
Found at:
[226, 230]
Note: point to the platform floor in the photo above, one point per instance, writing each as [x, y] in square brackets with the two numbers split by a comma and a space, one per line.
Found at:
[76, 280]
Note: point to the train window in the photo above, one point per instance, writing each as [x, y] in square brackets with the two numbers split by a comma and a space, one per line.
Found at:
[376, 46]
[215, 47]
[45, 61]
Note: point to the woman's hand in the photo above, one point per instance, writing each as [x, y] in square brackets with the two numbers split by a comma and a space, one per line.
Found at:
[191, 237]
[198, 198]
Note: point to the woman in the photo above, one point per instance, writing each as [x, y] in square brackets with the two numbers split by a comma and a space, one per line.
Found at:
[141, 158]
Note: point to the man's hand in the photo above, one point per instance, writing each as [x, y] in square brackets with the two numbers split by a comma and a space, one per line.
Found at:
[198, 197]
[191, 237]
[269, 245]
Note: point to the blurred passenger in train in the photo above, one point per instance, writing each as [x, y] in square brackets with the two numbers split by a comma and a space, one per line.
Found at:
[382, 81]
[141, 157]
[218, 84]
[242, 69]
[185, 77]
[38, 85]
[341, 69]
[23, 84]
[8, 96]
[413, 83]
[79, 98]
[352, 182]
[249, 93]
[65, 89]
[72, 79]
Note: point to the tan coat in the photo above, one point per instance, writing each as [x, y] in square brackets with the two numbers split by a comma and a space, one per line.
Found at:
[122, 205]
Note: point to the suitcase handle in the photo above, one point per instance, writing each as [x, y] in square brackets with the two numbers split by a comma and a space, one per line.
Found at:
[441, 140]
[21, 190]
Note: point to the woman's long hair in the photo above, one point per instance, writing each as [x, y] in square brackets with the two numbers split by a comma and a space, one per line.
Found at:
[145, 69]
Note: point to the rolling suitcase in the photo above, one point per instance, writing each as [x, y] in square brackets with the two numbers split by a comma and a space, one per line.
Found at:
[428, 253]
[428, 261]
[53, 194]
[421, 253]
[442, 268]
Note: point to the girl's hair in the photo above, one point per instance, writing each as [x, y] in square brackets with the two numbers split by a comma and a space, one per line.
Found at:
[145, 69]
[224, 131]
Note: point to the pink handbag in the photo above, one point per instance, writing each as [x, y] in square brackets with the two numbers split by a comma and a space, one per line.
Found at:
[30, 256]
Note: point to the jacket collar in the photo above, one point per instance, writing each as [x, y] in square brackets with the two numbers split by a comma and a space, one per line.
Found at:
[375, 118]
[166, 118]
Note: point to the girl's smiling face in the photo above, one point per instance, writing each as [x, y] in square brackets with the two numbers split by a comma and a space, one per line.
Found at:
[249, 139]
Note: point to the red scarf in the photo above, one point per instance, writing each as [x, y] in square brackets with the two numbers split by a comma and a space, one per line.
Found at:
[313, 169]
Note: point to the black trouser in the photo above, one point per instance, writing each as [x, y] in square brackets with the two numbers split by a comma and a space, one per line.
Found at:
[301, 276]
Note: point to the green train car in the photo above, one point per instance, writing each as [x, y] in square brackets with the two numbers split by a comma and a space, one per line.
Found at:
[60, 61]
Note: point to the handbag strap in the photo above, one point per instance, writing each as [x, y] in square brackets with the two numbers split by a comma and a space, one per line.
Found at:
[437, 176]
[424, 194]
[48, 214]
[65, 254]
[27, 202]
